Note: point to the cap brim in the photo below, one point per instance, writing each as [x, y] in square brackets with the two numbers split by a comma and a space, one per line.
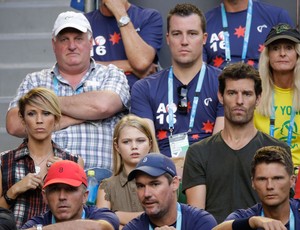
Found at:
[288, 37]
[74, 183]
[155, 172]
[70, 25]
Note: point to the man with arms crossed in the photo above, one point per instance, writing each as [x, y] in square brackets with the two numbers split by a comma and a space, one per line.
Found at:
[217, 170]
[91, 96]
[127, 36]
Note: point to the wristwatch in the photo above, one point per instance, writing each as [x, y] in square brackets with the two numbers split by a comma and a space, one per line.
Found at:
[39, 227]
[124, 20]
[8, 200]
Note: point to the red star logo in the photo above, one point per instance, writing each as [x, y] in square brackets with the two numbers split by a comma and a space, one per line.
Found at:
[250, 62]
[261, 48]
[240, 32]
[162, 134]
[195, 136]
[218, 61]
[189, 107]
[208, 126]
[115, 38]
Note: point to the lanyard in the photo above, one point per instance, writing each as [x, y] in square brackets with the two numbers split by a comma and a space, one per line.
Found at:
[55, 85]
[291, 126]
[226, 33]
[178, 220]
[195, 100]
[291, 221]
[82, 217]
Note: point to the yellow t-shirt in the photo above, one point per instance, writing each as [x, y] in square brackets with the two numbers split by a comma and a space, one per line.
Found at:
[283, 108]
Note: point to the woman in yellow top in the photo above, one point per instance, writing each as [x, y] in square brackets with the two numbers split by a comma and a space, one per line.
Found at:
[278, 113]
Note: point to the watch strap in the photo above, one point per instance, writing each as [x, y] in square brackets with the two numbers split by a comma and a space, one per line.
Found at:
[8, 200]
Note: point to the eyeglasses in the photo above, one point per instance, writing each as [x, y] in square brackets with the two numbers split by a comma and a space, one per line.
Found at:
[182, 102]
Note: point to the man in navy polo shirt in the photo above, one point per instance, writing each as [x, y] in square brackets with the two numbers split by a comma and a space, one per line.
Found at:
[157, 184]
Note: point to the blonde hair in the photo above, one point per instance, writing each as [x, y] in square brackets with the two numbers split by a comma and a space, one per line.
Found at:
[42, 98]
[138, 123]
[265, 106]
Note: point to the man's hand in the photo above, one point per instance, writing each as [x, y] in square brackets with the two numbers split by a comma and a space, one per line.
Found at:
[117, 7]
[265, 223]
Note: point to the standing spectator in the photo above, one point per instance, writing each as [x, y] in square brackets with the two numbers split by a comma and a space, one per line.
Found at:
[279, 68]
[180, 103]
[272, 177]
[217, 170]
[65, 191]
[133, 139]
[157, 184]
[238, 29]
[127, 36]
[23, 169]
[91, 96]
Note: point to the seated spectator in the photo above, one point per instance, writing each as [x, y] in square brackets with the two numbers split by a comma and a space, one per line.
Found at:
[272, 177]
[237, 30]
[133, 139]
[279, 68]
[157, 184]
[65, 191]
[217, 170]
[92, 97]
[127, 36]
[181, 103]
[23, 169]
[7, 221]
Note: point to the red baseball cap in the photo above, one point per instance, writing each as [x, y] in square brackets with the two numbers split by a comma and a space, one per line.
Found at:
[65, 172]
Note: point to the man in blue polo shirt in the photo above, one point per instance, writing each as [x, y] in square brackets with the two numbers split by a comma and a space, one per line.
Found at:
[157, 184]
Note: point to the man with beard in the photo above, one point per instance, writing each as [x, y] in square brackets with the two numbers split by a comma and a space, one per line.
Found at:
[157, 184]
[217, 170]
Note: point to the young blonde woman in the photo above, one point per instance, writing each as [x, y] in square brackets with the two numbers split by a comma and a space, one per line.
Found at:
[133, 139]
[23, 169]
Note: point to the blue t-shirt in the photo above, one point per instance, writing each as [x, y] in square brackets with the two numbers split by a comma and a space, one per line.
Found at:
[264, 17]
[192, 218]
[108, 44]
[91, 213]
[256, 210]
[149, 99]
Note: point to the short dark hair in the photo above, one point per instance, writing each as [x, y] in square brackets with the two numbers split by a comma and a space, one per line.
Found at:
[273, 154]
[184, 10]
[237, 71]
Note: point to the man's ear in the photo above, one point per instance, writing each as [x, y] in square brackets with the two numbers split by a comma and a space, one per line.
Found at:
[85, 196]
[175, 183]
[257, 100]
[292, 181]
[252, 183]
[44, 197]
[220, 97]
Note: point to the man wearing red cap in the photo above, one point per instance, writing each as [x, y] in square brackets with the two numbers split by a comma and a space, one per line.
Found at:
[65, 193]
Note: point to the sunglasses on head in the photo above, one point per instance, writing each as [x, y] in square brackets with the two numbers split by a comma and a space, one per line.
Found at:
[182, 105]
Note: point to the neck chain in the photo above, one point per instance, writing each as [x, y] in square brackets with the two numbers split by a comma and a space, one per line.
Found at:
[37, 165]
